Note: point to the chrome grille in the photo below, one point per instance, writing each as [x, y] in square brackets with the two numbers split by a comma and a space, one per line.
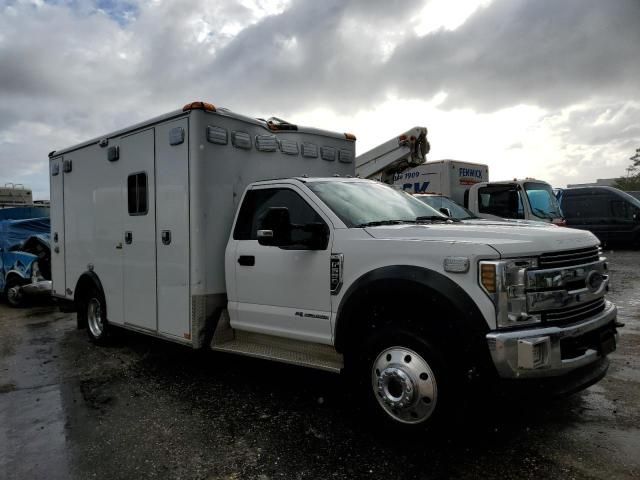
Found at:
[575, 313]
[569, 258]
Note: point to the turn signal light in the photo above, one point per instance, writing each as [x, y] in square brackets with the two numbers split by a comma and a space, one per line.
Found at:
[488, 277]
[207, 107]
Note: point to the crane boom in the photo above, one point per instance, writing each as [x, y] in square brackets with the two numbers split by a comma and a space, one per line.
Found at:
[394, 156]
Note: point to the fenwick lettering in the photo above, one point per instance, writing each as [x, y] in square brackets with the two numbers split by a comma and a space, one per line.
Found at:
[470, 172]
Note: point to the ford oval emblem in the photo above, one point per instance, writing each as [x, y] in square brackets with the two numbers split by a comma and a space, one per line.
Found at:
[594, 281]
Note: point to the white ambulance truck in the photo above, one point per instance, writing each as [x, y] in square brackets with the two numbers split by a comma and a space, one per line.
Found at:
[212, 229]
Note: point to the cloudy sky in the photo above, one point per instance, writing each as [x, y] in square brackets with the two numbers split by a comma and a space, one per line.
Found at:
[544, 88]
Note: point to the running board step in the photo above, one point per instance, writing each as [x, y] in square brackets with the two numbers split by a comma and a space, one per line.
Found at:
[295, 352]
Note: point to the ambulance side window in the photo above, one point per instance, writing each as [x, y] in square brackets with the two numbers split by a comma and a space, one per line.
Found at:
[137, 194]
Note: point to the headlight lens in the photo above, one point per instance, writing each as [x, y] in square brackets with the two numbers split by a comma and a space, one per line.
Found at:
[504, 281]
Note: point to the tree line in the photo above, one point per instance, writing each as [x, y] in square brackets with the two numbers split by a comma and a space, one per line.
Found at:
[632, 181]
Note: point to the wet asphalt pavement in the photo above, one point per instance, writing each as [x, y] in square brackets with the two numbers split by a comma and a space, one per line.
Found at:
[143, 408]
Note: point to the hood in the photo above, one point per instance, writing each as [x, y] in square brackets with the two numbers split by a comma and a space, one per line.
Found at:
[509, 240]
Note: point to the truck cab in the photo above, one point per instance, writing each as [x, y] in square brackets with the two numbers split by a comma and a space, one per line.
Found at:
[527, 199]
[407, 298]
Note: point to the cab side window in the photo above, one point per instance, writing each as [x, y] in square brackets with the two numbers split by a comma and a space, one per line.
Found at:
[258, 202]
[502, 201]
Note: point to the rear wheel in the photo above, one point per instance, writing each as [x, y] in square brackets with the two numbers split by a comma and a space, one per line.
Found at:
[13, 292]
[92, 313]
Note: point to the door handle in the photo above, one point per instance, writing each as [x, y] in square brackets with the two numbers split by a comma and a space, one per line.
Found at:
[128, 237]
[118, 245]
[247, 260]
[166, 237]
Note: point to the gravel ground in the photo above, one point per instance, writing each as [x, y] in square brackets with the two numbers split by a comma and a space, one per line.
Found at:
[143, 408]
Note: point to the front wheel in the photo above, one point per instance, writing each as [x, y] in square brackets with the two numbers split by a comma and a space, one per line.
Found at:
[404, 385]
[405, 382]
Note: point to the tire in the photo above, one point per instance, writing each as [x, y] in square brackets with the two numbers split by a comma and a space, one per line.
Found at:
[12, 292]
[404, 382]
[93, 314]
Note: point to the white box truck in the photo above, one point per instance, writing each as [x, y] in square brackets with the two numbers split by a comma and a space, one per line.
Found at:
[216, 230]
[468, 184]
[451, 178]
[401, 161]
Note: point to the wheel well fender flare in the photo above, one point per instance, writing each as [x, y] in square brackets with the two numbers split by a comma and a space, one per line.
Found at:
[10, 274]
[86, 280]
[469, 322]
[15, 273]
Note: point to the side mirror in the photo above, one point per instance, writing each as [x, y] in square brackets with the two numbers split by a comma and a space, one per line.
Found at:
[276, 231]
[446, 211]
[318, 238]
[275, 228]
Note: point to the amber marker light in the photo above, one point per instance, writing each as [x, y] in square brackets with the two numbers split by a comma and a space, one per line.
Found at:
[207, 107]
[488, 277]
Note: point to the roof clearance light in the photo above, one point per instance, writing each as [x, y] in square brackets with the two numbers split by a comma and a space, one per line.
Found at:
[207, 107]
[350, 136]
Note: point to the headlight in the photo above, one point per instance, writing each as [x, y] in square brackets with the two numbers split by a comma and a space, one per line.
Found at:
[505, 283]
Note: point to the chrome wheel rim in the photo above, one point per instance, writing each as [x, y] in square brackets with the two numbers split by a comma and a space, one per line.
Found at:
[94, 317]
[404, 385]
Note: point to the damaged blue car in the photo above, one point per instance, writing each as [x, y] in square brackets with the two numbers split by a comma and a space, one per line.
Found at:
[25, 259]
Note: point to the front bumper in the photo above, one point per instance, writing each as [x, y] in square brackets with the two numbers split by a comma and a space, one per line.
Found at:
[538, 352]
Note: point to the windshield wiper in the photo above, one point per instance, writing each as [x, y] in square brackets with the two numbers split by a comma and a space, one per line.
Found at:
[377, 223]
[435, 218]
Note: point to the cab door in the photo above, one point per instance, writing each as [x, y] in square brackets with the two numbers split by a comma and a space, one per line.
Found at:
[623, 223]
[279, 291]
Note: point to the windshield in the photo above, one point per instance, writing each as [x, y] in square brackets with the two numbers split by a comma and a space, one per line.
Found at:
[542, 200]
[438, 202]
[362, 203]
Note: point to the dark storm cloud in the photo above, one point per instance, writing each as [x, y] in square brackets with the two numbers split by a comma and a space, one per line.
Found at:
[603, 124]
[545, 53]
[314, 54]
